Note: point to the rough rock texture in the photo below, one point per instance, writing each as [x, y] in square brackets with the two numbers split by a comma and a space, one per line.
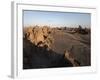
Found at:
[45, 47]
[39, 36]
[39, 57]
[71, 58]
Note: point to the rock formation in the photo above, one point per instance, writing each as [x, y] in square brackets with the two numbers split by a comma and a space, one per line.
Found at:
[39, 36]
[39, 57]
[71, 58]
[45, 47]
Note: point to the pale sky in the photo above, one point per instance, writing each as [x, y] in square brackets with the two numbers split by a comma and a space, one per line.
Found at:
[59, 19]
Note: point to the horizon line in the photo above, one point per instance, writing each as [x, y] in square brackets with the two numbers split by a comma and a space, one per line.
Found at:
[73, 26]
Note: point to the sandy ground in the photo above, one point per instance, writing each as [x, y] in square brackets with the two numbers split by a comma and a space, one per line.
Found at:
[77, 44]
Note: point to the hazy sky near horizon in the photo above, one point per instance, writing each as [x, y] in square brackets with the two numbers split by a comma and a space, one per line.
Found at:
[56, 18]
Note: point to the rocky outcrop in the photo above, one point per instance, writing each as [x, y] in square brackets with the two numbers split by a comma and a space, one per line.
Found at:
[39, 36]
[39, 57]
[71, 58]
[82, 31]
[45, 47]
